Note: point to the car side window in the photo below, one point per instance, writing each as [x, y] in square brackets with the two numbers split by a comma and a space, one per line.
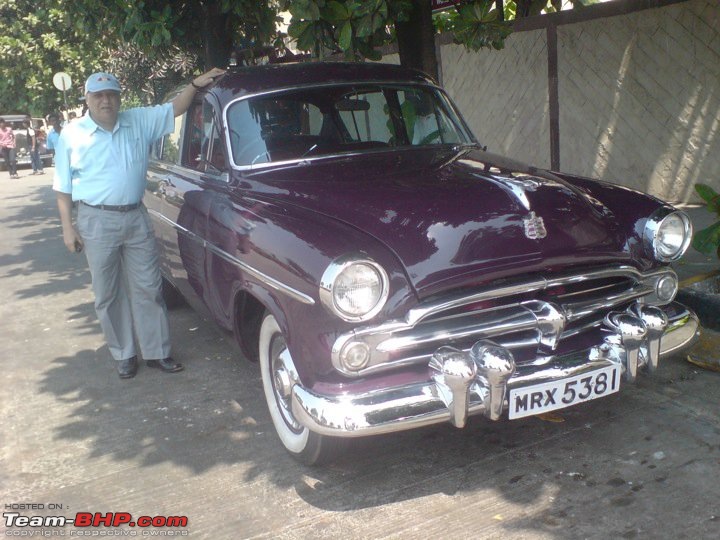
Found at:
[365, 117]
[192, 156]
[168, 148]
[203, 143]
[425, 121]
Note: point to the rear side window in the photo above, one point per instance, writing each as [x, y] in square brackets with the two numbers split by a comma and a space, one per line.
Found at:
[204, 150]
[168, 148]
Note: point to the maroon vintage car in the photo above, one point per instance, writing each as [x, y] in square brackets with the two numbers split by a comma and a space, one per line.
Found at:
[388, 272]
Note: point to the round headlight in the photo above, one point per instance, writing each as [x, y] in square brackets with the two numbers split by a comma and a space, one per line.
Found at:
[670, 236]
[354, 289]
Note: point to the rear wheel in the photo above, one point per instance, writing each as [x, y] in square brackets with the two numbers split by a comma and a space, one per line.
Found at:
[278, 376]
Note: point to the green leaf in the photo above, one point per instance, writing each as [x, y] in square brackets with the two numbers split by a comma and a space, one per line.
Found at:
[706, 240]
[710, 196]
[363, 27]
[306, 40]
[296, 29]
[305, 9]
[345, 40]
[335, 11]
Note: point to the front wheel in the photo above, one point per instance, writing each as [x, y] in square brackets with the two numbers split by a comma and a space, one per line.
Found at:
[278, 376]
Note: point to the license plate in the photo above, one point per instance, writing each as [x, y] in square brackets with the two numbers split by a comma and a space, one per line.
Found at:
[545, 397]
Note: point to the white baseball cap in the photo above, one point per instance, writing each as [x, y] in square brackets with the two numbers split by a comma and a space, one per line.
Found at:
[98, 82]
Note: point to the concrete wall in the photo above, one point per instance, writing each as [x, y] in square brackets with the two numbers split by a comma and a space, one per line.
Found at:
[503, 95]
[639, 98]
[638, 95]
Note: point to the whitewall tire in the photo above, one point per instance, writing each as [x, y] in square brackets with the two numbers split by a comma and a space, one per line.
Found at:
[278, 375]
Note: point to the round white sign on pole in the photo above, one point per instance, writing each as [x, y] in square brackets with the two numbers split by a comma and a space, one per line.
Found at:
[61, 81]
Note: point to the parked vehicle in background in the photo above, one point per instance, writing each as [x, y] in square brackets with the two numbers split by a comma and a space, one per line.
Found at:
[22, 144]
[387, 272]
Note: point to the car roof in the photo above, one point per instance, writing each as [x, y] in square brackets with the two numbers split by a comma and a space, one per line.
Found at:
[14, 117]
[255, 79]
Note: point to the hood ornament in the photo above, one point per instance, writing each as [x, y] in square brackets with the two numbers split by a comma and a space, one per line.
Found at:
[534, 227]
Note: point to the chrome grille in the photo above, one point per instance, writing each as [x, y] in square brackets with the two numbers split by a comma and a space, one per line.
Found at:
[533, 317]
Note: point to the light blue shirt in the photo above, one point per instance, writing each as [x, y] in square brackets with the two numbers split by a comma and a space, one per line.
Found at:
[102, 167]
[52, 139]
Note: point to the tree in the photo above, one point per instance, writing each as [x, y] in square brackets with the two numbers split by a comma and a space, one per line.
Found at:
[150, 41]
[207, 29]
[357, 28]
[36, 41]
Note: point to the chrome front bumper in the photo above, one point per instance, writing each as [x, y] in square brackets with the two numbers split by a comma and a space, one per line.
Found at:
[477, 382]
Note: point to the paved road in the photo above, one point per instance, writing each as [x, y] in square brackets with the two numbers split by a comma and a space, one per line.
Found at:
[641, 464]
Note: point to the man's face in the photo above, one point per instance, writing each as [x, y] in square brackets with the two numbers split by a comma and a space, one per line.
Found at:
[54, 121]
[103, 106]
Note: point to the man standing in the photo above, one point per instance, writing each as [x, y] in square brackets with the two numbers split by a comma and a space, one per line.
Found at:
[7, 147]
[101, 162]
[54, 131]
[32, 138]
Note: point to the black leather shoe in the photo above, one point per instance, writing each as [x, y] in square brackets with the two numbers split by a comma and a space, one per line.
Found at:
[168, 365]
[127, 368]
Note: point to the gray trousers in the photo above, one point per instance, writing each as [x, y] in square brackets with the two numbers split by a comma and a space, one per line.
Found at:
[122, 255]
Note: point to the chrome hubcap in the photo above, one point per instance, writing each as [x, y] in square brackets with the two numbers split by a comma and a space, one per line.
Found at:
[284, 377]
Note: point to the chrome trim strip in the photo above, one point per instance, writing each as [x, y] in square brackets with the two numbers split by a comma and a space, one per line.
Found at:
[495, 324]
[421, 404]
[582, 309]
[417, 314]
[257, 274]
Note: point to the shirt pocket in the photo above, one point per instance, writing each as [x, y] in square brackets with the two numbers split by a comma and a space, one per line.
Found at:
[136, 152]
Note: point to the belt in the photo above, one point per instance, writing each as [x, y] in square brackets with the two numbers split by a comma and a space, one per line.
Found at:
[114, 207]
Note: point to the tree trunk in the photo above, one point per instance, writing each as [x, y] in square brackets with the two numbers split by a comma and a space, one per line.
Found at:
[218, 44]
[416, 39]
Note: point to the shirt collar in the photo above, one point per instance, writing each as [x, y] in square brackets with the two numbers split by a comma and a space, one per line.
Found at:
[89, 125]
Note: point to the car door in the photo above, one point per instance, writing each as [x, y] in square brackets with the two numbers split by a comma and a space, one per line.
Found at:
[185, 183]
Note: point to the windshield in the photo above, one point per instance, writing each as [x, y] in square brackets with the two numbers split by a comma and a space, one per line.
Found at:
[313, 122]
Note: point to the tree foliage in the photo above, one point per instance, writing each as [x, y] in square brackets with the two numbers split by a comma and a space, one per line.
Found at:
[477, 24]
[354, 27]
[206, 29]
[152, 43]
[38, 40]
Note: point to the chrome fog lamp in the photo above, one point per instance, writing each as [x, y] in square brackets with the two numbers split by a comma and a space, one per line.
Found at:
[355, 355]
[354, 288]
[666, 288]
[668, 235]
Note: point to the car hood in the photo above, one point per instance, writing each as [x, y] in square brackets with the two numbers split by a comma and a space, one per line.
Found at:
[455, 218]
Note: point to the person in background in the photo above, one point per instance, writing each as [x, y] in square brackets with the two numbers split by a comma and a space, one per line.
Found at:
[7, 147]
[53, 135]
[32, 138]
[101, 162]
